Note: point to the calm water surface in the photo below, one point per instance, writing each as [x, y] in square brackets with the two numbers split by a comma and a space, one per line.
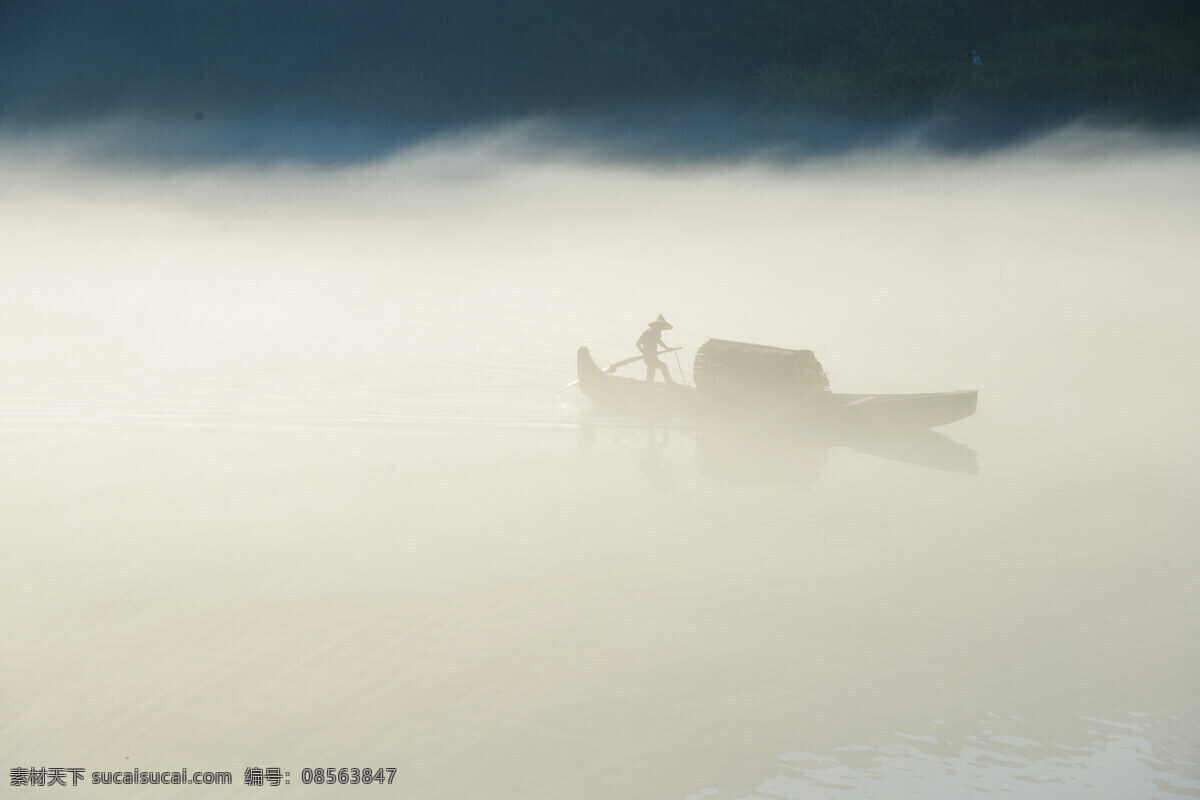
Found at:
[287, 481]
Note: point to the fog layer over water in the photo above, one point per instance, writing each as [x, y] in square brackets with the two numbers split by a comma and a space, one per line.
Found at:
[288, 482]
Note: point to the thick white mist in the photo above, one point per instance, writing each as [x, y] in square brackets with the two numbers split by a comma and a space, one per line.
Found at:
[288, 484]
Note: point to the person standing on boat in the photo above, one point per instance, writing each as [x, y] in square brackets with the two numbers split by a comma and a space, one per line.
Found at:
[648, 344]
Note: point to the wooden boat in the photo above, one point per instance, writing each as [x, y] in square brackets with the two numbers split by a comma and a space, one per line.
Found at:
[906, 410]
[742, 382]
[634, 396]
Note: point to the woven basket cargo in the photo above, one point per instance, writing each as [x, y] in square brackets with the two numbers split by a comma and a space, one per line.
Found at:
[734, 371]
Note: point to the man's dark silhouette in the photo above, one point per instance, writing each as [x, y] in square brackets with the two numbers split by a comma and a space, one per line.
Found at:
[648, 344]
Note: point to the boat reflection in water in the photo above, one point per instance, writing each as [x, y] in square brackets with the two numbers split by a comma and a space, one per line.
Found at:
[794, 456]
[726, 451]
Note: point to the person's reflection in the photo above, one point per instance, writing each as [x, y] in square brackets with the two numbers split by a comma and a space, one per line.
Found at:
[650, 463]
[586, 435]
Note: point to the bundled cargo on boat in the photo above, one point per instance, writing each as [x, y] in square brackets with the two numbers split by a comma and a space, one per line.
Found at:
[731, 371]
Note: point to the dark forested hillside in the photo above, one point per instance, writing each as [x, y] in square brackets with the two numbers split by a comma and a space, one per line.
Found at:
[463, 60]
